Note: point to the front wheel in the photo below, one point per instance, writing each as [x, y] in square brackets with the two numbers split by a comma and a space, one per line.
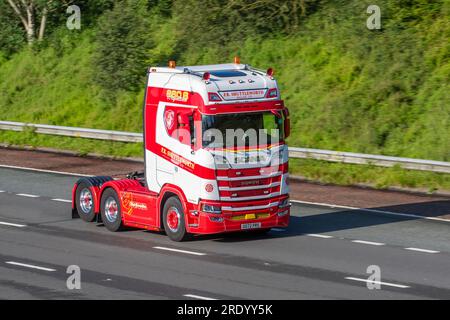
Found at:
[173, 220]
[111, 211]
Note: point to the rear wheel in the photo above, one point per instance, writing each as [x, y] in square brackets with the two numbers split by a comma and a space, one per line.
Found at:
[173, 220]
[85, 202]
[111, 211]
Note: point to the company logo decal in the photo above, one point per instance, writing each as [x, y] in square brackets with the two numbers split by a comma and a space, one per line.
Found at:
[128, 204]
[127, 198]
[169, 119]
[177, 159]
[138, 205]
[243, 94]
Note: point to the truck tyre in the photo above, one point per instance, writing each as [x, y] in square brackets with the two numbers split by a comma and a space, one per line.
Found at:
[85, 202]
[110, 210]
[173, 220]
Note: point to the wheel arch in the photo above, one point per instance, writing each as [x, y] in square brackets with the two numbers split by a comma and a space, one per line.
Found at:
[167, 191]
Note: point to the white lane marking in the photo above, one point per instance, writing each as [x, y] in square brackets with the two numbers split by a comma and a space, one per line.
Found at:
[319, 236]
[2, 191]
[407, 215]
[62, 200]
[181, 251]
[197, 297]
[369, 242]
[29, 266]
[278, 230]
[12, 224]
[422, 250]
[27, 195]
[378, 282]
[45, 171]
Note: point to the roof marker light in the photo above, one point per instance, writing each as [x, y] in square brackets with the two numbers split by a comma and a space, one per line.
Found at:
[172, 64]
[270, 72]
[206, 76]
[237, 60]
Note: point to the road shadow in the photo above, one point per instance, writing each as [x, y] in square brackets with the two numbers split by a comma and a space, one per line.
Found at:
[326, 220]
[330, 220]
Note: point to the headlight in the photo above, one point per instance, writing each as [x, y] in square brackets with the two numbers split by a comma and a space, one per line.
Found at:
[211, 209]
[284, 203]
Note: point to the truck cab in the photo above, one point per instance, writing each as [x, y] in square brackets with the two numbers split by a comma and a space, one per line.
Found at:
[215, 156]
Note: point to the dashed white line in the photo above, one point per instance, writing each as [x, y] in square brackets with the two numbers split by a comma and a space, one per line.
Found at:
[62, 200]
[323, 236]
[9, 224]
[2, 191]
[369, 242]
[378, 282]
[278, 230]
[407, 215]
[422, 250]
[29, 266]
[197, 297]
[27, 195]
[181, 251]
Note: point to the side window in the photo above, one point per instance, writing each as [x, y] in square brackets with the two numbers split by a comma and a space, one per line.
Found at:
[179, 124]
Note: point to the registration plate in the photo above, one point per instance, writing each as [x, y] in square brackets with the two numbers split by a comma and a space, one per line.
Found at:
[254, 225]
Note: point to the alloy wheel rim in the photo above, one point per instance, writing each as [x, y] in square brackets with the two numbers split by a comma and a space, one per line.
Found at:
[86, 201]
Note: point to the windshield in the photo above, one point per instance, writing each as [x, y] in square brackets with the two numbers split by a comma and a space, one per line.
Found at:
[242, 129]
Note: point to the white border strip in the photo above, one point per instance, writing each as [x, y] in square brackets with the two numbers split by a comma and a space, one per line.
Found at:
[197, 297]
[323, 236]
[369, 242]
[407, 215]
[62, 200]
[29, 266]
[422, 250]
[12, 224]
[181, 251]
[26, 195]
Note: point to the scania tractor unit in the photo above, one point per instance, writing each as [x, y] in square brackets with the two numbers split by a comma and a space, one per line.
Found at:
[215, 157]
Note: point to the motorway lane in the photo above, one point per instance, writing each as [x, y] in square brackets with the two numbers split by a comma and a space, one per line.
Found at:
[286, 264]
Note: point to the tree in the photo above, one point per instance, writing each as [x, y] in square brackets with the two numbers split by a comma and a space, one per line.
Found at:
[30, 12]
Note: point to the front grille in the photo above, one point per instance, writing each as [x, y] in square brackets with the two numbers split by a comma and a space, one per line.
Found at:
[249, 184]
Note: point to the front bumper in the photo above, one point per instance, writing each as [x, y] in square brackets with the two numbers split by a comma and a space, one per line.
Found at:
[208, 223]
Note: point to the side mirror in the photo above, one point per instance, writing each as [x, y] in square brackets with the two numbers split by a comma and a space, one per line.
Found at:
[287, 127]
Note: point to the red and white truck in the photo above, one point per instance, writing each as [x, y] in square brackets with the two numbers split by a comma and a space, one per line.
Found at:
[204, 172]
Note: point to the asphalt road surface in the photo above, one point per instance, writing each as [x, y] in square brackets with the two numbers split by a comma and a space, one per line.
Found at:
[324, 254]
